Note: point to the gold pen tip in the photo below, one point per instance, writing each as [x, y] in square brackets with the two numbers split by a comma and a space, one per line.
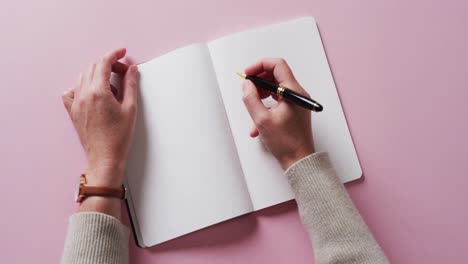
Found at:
[242, 75]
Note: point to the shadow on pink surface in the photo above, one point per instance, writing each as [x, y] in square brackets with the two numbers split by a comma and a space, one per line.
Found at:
[223, 234]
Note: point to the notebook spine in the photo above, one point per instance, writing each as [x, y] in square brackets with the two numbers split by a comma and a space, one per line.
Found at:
[135, 231]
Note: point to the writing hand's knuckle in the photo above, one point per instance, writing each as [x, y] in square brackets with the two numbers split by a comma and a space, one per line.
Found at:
[261, 120]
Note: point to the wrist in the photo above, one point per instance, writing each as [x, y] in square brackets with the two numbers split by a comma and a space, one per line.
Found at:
[288, 160]
[105, 173]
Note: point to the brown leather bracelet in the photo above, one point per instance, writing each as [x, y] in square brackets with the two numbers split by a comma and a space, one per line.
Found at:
[85, 191]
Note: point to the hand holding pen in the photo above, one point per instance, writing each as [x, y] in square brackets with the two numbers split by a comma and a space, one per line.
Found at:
[290, 95]
[285, 129]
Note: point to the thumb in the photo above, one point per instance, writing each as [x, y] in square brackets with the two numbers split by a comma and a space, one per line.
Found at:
[130, 88]
[253, 103]
[67, 99]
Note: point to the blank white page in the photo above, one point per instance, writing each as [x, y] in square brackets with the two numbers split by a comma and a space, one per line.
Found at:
[183, 171]
[297, 41]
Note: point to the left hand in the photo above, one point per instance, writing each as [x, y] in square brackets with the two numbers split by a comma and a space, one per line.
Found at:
[104, 118]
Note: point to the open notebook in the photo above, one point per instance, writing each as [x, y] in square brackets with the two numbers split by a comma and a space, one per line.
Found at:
[192, 163]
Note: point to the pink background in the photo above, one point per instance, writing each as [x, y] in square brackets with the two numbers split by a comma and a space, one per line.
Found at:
[401, 71]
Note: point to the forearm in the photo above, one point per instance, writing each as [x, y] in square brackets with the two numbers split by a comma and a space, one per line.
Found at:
[337, 231]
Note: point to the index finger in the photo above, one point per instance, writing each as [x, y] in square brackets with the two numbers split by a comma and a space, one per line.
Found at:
[276, 66]
[104, 67]
[119, 68]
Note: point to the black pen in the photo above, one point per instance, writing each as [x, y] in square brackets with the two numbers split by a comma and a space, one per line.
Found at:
[284, 92]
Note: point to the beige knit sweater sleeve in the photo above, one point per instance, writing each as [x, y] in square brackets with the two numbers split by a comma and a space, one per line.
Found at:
[337, 231]
[95, 238]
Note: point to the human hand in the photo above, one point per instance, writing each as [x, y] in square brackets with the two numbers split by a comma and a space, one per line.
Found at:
[104, 117]
[285, 129]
